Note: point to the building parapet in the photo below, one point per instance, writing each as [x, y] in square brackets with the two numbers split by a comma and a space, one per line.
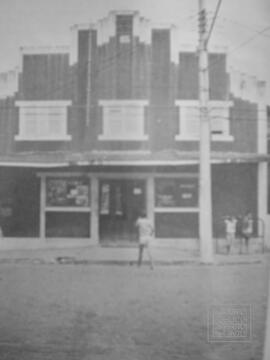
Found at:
[246, 86]
[36, 50]
[42, 50]
[9, 82]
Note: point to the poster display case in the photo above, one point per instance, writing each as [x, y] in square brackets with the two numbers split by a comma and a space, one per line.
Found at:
[67, 193]
[67, 207]
[176, 193]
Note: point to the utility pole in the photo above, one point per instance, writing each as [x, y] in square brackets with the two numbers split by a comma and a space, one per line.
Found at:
[266, 352]
[89, 78]
[205, 188]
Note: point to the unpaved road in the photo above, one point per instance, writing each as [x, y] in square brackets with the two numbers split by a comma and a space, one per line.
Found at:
[69, 312]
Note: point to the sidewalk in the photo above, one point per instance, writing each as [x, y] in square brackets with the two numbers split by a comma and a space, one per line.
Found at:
[97, 255]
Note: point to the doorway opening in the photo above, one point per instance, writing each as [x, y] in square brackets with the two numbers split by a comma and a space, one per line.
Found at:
[120, 202]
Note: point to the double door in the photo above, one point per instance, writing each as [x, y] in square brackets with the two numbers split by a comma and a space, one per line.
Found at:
[120, 202]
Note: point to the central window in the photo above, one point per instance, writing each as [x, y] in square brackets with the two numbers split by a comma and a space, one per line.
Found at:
[123, 120]
[189, 120]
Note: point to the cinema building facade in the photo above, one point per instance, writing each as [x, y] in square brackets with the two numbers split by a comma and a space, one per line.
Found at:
[95, 132]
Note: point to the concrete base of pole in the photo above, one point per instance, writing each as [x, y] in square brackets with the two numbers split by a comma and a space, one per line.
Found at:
[266, 353]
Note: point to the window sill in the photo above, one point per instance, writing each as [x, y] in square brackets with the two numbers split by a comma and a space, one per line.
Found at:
[137, 138]
[186, 138]
[179, 209]
[224, 138]
[60, 138]
[67, 209]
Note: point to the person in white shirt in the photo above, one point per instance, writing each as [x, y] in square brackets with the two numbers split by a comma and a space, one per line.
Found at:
[230, 229]
[247, 230]
[145, 235]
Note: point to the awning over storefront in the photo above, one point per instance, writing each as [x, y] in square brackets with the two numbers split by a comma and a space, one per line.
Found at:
[124, 158]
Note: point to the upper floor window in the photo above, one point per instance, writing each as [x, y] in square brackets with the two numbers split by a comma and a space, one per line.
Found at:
[189, 120]
[43, 120]
[123, 120]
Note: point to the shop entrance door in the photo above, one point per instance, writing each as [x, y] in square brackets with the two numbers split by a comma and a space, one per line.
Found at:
[120, 202]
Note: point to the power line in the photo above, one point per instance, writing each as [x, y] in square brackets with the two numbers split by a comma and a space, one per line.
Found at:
[246, 42]
[243, 25]
[213, 22]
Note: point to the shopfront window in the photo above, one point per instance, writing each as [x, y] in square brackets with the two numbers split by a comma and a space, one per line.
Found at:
[177, 193]
[67, 192]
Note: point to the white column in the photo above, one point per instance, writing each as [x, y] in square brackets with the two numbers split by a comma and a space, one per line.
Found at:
[262, 198]
[262, 166]
[42, 215]
[150, 198]
[205, 226]
[73, 54]
[94, 210]
[266, 352]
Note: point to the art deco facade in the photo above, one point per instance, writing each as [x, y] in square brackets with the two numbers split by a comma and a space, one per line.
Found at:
[99, 130]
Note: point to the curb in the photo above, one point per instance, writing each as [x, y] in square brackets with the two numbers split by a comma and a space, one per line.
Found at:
[67, 260]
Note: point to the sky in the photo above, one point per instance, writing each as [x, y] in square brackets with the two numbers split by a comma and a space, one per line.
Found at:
[48, 22]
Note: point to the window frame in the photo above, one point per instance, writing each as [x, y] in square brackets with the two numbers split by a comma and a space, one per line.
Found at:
[176, 194]
[124, 105]
[183, 134]
[41, 135]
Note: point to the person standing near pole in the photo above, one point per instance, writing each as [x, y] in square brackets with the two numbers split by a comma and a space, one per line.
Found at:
[247, 229]
[145, 235]
[230, 227]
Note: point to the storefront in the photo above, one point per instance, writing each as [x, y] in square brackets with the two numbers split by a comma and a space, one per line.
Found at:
[100, 204]
[104, 206]
[19, 202]
[176, 206]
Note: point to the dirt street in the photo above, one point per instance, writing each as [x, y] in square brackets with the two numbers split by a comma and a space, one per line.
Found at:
[72, 312]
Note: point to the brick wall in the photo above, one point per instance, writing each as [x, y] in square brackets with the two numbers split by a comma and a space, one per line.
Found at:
[45, 77]
[126, 67]
[234, 197]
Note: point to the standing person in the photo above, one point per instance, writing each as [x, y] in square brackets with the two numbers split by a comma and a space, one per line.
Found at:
[230, 228]
[247, 229]
[145, 235]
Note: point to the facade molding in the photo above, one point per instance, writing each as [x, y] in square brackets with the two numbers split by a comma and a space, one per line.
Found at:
[43, 103]
[41, 50]
[74, 33]
[142, 29]
[246, 86]
[43, 139]
[220, 138]
[176, 209]
[9, 83]
[86, 209]
[44, 50]
[123, 12]
[115, 175]
[105, 137]
[196, 103]
[106, 29]
[128, 102]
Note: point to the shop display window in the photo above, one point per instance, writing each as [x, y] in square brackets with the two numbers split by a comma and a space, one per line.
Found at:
[182, 192]
[67, 192]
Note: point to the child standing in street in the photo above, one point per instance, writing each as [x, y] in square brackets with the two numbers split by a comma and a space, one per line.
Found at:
[145, 235]
[247, 230]
[230, 228]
